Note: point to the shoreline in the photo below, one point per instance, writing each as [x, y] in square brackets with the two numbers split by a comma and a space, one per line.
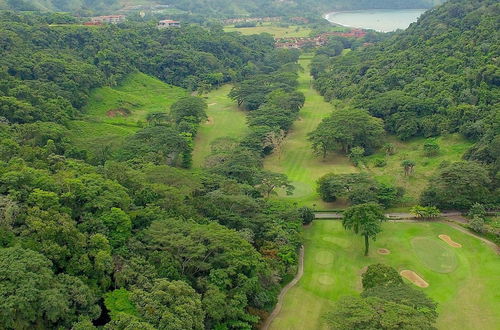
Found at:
[329, 17]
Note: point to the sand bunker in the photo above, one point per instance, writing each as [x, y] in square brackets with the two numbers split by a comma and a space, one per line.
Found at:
[325, 279]
[450, 242]
[324, 257]
[383, 251]
[414, 278]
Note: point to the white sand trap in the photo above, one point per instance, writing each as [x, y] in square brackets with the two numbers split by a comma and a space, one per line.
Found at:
[383, 251]
[414, 278]
[450, 242]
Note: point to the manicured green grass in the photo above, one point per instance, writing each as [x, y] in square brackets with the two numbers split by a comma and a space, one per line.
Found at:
[224, 119]
[297, 159]
[272, 28]
[113, 113]
[468, 296]
[304, 168]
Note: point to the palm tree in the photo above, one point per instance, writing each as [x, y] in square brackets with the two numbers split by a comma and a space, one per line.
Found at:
[408, 166]
[365, 220]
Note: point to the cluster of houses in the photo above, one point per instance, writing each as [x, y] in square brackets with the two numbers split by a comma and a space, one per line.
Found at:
[320, 40]
[115, 19]
[108, 19]
[250, 19]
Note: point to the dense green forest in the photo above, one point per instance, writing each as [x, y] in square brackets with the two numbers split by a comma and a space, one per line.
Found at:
[135, 238]
[439, 76]
[131, 239]
[221, 8]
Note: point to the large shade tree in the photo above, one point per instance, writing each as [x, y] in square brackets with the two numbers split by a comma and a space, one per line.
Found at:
[365, 220]
[346, 129]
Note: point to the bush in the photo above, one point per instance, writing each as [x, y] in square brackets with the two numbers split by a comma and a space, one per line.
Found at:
[431, 148]
[379, 162]
[380, 275]
[306, 215]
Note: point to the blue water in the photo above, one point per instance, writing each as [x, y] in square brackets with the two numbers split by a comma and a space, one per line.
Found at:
[383, 20]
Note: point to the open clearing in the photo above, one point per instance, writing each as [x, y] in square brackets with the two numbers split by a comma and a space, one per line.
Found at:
[272, 28]
[224, 119]
[113, 113]
[468, 296]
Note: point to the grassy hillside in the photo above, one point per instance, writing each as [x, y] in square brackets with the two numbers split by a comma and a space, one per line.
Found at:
[466, 290]
[115, 112]
[452, 148]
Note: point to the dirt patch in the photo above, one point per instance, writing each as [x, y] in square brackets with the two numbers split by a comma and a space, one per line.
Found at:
[211, 104]
[414, 278]
[450, 242]
[210, 121]
[383, 251]
[118, 112]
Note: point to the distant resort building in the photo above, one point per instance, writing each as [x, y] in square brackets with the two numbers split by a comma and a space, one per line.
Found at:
[320, 40]
[110, 19]
[168, 23]
[250, 19]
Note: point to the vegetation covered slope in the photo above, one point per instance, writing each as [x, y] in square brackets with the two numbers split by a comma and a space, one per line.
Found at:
[117, 239]
[221, 8]
[439, 76]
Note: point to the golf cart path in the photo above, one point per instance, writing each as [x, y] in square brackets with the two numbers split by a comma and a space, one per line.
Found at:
[284, 291]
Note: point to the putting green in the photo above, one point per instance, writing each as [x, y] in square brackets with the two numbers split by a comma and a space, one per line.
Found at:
[434, 254]
[468, 297]
[324, 257]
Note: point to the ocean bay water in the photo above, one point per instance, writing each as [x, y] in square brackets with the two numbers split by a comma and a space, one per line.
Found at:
[383, 20]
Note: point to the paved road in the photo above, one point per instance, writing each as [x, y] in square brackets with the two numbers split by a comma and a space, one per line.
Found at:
[281, 297]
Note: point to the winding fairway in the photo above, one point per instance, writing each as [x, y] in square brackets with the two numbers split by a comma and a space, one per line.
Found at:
[465, 281]
[224, 119]
[297, 159]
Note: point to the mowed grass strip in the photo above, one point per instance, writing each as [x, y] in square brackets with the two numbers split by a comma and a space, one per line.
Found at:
[297, 159]
[468, 296]
[224, 119]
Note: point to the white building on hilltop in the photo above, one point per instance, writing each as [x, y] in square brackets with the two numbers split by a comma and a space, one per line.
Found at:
[168, 23]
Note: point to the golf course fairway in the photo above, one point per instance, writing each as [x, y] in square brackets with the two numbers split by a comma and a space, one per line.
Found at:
[297, 159]
[463, 281]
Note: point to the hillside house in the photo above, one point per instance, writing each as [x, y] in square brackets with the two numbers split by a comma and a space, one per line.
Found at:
[109, 19]
[168, 23]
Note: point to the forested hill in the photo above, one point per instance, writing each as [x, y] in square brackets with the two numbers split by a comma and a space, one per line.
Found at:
[132, 238]
[220, 8]
[441, 75]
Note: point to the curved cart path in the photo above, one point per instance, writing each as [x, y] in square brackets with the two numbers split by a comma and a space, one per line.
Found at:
[281, 297]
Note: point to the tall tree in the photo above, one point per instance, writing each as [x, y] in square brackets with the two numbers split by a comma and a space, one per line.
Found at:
[365, 220]
[346, 129]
